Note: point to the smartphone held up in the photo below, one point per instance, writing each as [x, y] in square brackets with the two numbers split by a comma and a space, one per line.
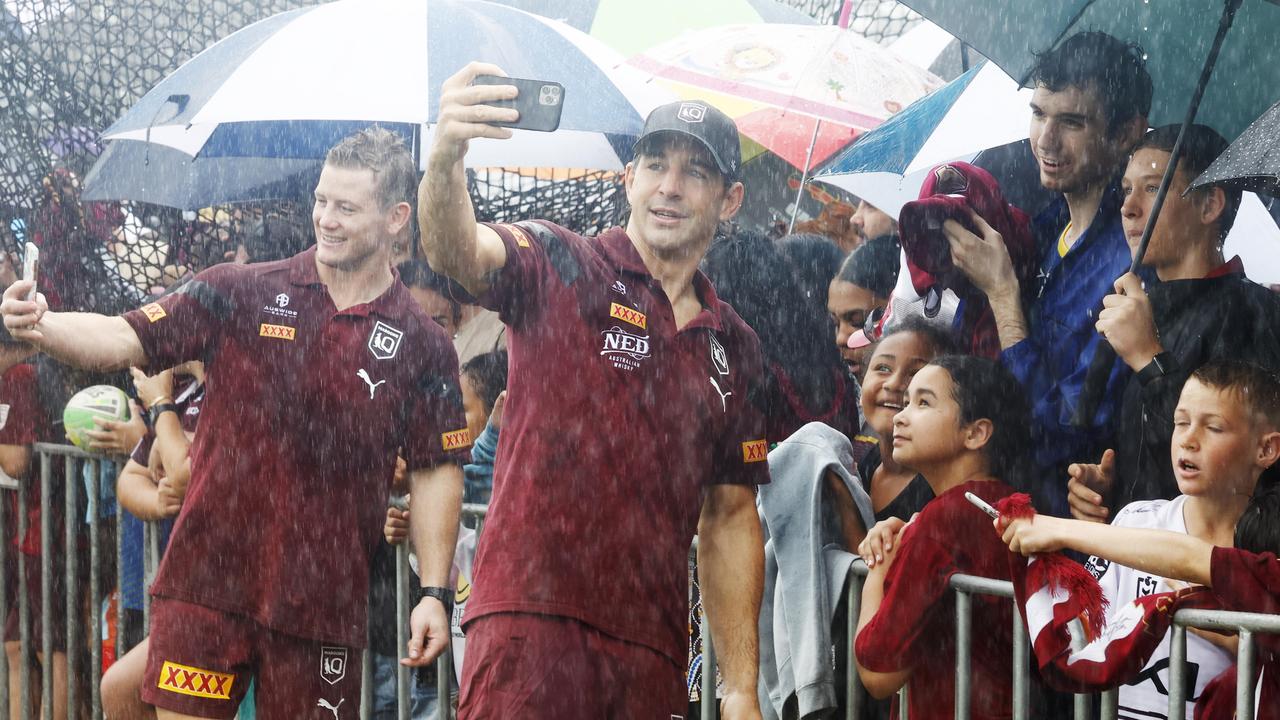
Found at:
[539, 102]
[31, 267]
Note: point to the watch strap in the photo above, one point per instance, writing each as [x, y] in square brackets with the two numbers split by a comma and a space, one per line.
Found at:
[443, 594]
[1159, 366]
[160, 408]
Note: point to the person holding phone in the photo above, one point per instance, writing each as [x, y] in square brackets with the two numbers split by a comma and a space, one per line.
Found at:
[630, 425]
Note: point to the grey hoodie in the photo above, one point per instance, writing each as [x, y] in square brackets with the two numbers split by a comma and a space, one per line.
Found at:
[805, 570]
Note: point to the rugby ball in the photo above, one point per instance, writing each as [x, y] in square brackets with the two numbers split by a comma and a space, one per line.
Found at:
[98, 401]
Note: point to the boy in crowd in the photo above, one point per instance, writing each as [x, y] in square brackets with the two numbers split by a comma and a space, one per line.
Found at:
[1226, 435]
[632, 422]
[1203, 309]
[1089, 108]
[318, 368]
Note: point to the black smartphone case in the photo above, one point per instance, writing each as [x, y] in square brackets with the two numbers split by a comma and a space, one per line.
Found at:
[539, 102]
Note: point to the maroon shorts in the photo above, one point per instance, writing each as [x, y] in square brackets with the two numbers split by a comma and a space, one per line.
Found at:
[201, 662]
[527, 666]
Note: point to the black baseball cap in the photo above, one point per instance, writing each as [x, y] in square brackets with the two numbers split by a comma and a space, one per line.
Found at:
[703, 122]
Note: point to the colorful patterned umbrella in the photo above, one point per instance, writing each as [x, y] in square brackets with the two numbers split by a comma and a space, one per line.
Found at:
[802, 92]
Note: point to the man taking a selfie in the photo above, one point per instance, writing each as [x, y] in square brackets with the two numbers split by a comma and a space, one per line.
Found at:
[630, 425]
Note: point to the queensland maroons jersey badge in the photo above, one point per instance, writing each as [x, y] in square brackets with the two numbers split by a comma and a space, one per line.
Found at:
[384, 341]
[333, 664]
[718, 356]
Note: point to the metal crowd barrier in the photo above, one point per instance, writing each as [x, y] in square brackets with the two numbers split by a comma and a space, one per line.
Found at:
[965, 586]
[1247, 625]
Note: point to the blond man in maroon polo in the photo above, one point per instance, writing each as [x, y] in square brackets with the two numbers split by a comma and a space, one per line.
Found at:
[319, 368]
[632, 422]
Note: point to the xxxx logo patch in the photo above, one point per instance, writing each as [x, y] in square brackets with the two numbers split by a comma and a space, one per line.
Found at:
[154, 312]
[754, 451]
[456, 440]
[522, 237]
[283, 332]
[192, 681]
[628, 315]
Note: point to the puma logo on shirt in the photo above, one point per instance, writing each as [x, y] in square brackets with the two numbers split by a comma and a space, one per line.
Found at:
[367, 381]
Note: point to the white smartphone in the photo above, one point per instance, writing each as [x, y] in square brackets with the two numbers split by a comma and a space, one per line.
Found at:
[982, 505]
[31, 267]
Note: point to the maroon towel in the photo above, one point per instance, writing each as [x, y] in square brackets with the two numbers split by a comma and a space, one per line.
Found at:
[947, 194]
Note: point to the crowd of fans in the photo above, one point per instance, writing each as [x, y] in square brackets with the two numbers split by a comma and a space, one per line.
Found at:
[963, 348]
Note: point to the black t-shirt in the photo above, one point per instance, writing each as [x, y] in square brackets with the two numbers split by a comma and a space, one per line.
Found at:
[908, 502]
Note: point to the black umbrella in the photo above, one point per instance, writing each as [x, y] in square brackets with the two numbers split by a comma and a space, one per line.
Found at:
[1253, 160]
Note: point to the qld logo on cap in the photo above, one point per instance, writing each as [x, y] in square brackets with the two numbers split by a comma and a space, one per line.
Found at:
[692, 112]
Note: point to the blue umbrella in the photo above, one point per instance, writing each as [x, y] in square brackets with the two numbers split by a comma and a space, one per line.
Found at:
[291, 85]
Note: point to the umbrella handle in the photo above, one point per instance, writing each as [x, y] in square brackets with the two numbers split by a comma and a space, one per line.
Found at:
[804, 176]
[1104, 357]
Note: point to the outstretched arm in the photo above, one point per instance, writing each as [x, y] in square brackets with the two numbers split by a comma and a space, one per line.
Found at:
[1159, 552]
[83, 340]
[731, 577]
[453, 242]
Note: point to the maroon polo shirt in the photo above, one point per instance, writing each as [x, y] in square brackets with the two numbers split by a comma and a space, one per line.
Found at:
[305, 407]
[615, 423]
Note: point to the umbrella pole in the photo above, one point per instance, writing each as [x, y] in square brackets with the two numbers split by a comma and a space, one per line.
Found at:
[804, 175]
[1095, 383]
[1228, 17]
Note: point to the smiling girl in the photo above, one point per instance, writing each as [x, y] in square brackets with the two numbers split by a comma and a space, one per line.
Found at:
[965, 428]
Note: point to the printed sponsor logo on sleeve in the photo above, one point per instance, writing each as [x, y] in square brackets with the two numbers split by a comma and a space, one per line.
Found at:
[154, 312]
[193, 681]
[456, 440]
[754, 451]
[522, 237]
[628, 315]
[281, 332]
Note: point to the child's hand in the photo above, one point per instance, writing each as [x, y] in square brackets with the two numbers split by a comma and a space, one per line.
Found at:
[400, 476]
[495, 415]
[397, 528]
[1088, 485]
[880, 541]
[1028, 536]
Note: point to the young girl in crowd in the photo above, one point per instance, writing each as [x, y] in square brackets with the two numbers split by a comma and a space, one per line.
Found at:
[896, 491]
[965, 428]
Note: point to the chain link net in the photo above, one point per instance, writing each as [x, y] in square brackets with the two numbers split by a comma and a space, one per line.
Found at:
[69, 68]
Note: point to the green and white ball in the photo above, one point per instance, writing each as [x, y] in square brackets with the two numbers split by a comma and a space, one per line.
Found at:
[98, 401]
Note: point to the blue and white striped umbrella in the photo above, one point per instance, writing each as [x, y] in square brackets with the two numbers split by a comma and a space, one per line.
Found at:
[982, 109]
[293, 84]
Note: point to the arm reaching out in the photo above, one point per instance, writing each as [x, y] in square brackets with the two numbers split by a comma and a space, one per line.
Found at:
[83, 340]
[731, 576]
[1159, 552]
[453, 242]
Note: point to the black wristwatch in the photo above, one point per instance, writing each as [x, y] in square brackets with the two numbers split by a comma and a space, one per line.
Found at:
[157, 410]
[1159, 366]
[444, 595]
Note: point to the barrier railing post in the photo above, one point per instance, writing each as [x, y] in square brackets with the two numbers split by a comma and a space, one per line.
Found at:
[904, 702]
[24, 607]
[1021, 669]
[46, 589]
[709, 700]
[366, 662]
[963, 640]
[1110, 701]
[857, 695]
[4, 604]
[95, 593]
[444, 673]
[1083, 702]
[70, 602]
[1177, 676]
[120, 638]
[402, 627]
[1244, 676]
